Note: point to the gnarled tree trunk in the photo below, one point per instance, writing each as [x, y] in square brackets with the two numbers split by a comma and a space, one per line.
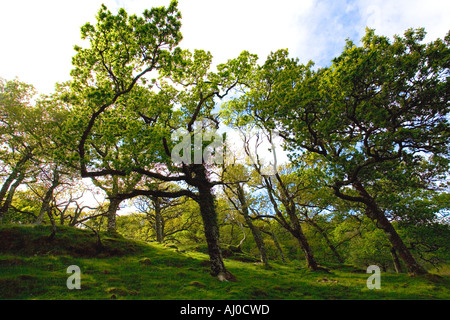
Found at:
[113, 207]
[210, 223]
[211, 228]
[383, 223]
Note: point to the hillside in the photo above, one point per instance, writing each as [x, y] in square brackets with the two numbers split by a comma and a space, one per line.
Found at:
[34, 267]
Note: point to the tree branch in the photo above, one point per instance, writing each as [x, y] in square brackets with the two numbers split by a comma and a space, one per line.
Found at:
[157, 193]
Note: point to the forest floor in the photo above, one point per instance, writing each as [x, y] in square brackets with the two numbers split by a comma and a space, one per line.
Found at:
[34, 267]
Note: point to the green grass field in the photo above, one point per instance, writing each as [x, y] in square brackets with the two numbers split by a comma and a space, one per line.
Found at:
[33, 267]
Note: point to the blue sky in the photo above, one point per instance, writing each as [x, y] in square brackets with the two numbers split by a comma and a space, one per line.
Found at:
[37, 37]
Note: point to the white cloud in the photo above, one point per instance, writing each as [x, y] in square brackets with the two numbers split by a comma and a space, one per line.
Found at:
[394, 17]
[38, 36]
[227, 28]
[38, 39]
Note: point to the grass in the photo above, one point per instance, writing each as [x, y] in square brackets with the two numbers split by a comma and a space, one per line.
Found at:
[33, 267]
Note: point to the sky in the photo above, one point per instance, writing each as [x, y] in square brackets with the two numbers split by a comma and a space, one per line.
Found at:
[37, 37]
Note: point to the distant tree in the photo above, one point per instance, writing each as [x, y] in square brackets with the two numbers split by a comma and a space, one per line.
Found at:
[235, 175]
[166, 217]
[17, 116]
[114, 187]
[281, 197]
[27, 142]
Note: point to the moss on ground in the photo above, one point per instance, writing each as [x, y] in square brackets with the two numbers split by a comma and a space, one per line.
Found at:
[34, 267]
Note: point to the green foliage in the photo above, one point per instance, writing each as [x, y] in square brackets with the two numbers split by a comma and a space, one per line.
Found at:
[370, 131]
[18, 120]
[27, 208]
[156, 272]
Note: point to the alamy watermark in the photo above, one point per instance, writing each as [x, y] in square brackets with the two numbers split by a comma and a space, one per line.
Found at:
[374, 281]
[213, 153]
[74, 281]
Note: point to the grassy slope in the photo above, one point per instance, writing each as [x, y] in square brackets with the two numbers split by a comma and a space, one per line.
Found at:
[32, 267]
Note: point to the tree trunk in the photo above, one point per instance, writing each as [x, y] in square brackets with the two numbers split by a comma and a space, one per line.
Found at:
[244, 237]
[76, 215]
[304, 245]
[6, 205]
[293, 226]
[327, 240]
[61, 217]
[16, 171]
[255, 231]
[211, 228]
[113, 207]
[411, 264]
[53, 223]
[396, 261]
[377, 215]
[7, 184]
[159, 221]
[46, 207]
[258, 240]
[210, 223]
[278, 246]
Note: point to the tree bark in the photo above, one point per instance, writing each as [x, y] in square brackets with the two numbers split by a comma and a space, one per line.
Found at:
[210, 223]
[296, 231]
[382, 222]
[159, 220]
[7, 184]
[52, 222]
[6, 205]
[113, 207]
[396, 261]
[304, 245]
[18, 170]
[46, 207]
[211, 228]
